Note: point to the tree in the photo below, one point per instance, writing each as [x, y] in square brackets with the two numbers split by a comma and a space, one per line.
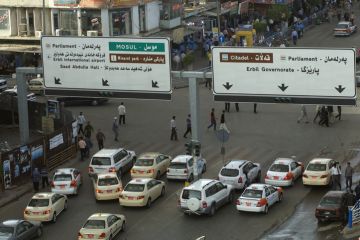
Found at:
[278, 12]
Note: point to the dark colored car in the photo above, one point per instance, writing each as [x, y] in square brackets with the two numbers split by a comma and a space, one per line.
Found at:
[73, 101]
[20, 230]
[334, 206]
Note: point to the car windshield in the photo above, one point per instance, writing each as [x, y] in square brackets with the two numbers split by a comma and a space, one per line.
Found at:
[228, 172]
[316, 167]
[330, 201]
[143, 162]
[187, 194]
[94, 224]
[39, 202]
[252, 193]
[134, 187]
[62, 177]
[177, 165]
[342, 26]
[107, 181]
[6, 232]
[279, 168]
[100, 161]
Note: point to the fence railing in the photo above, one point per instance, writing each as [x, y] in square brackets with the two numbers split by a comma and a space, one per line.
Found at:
[354, 214]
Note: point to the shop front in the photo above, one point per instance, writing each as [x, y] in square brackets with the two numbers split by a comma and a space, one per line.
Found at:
[170, 13]
[120, 21]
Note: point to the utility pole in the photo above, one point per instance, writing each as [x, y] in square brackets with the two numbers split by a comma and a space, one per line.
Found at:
[43, 18]
[218, 13]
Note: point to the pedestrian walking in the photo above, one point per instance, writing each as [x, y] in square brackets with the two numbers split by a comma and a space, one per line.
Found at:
[81, 121]
[100, 138]
[352, 18]
[357, 192]
[122, 112]
[294, 36]
[336, 176]
[88, 130]
[349, 171]
[317, 110]
[339, 113]
[209, 56]
[36, 179]
[324, 117]
[212, 119]
[188, 126]
[82, 147]
[303, 115]
[330, 110]
[338, 14]
[173, 135]
[115, 129]
[208, 83]
[44, 177]
[222, 122]
[88, 146]
[227, 106]
[255, 107]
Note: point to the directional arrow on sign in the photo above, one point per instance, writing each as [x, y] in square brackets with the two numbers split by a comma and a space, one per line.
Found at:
[154, 84]
[340, 88]
[227, 85]
[105, 83]
[57, 80]
[283, 87]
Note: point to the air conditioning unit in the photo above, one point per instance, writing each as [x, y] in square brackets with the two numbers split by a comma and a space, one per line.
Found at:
[38, 34]
[57, 32]
[92, 33]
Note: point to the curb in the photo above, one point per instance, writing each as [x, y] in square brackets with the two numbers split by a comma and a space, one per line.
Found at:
[15, 196]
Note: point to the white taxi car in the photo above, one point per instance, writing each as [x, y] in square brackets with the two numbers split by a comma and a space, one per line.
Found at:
[102, 226]
[66, 181]
[317, 172]
[141, 192]
[150, 165]
[258, 198]
[45, 207]
[182, 168]
[284, 172]
[107, 186]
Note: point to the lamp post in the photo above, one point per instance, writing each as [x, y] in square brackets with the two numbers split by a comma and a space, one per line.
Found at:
[218, 9]
[43, 18]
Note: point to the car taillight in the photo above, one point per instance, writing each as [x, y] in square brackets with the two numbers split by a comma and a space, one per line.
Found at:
[266, 176]
[133, 171]
[261, 202]
[99, 191]
[119, 189]
[240, 180]
[52, 184]
[238, 202]
[27, 212]
[80, 235]
[150, 171]
[305, 176]
[288, 176]
[46, 212]
[102, 235]
[204, 205]
[91, 170]
[185, 171]
[73, 183]
[140, 197]
[112, 169]
[324, 176]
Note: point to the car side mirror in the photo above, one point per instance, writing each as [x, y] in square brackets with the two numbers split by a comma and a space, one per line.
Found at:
[225, 186]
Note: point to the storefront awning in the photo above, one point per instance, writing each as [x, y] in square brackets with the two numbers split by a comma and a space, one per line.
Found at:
[20, 48]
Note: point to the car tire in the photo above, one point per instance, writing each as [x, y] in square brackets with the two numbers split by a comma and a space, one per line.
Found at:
[204, 169]
[231, 197]
[39, 232]
[65, 206]
[280, 197]
[162, 192]
[148, 204]
[123, 226]
[158, 175]
[54, 218]
[258, 177]
[266, 209]
[212, 210]
[191, 178]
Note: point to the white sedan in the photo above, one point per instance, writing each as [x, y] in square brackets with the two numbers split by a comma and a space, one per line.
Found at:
[344, 29]
[258, 198]
[102, 226]
[284, 172]
[66, 181]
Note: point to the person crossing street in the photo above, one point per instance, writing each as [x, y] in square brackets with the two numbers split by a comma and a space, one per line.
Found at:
[188, 126]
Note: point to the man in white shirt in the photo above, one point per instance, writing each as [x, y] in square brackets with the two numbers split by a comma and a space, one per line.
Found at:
[122, 112]
[81, 121]
[335, 172]
[173, 129]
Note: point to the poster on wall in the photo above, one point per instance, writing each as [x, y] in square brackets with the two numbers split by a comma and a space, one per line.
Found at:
[4, 19]
[74, 131]
[7, 174]
[37, 152]
[25, 158]
[56, 141]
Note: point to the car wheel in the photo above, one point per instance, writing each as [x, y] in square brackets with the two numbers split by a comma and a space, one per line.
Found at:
[266, 210]
[162, 192]
[158, 175]
[231, 197]
[258, 177]
[39, 232]
[148, 204]
[280, 198]
[65, 206]
[54, 218]
[204, 168]
[123, 226]
[212, 210]
[191, 178]
[94, 103]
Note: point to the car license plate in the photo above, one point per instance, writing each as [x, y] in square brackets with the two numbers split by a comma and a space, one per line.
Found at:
[36, 213]
[62, 186]
[313, 176]
[248, 204]
[109, 191]
[276, 177]
[90, 235]
[130, 198]
[141, 171]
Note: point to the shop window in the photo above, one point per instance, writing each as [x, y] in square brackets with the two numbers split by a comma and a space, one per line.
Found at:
[121, 22]
[90, 21]
[68, 23]
[4, 19]
[171, 10]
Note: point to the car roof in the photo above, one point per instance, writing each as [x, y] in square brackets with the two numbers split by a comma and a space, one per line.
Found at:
[99, 216]
[320, 160]
[258, 186]
[140, 180]
[149, 155]
[334, 194]
[44, 195]
[106, 175]
[64, 170]
[106, 152]
[12, 223]
[343, 22]
[235, 163]
[182, 158]
[200, 184]
[283, 161]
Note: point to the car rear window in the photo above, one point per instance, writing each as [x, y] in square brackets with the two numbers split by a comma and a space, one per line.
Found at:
[279, 168]
[228, 172]
[6, 232]
[187, 194]
[94, 224]
[101, 161]
[134, 187]
[342, 26]
[316, 167]
[107, 181]
[252, 193]
[177, 165]
[144, 162]
[330, 201]
[62, 177]
[39, 202]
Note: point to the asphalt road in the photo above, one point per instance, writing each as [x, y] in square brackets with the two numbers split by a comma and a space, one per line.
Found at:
[262, 137]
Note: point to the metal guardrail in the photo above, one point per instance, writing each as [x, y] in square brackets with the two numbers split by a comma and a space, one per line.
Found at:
[354, 214]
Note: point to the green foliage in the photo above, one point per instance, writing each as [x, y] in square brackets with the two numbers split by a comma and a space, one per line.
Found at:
[278, 11]
[188, 59]
[260, 27]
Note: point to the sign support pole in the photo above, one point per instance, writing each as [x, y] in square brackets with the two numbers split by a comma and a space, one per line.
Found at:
[194, 107]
